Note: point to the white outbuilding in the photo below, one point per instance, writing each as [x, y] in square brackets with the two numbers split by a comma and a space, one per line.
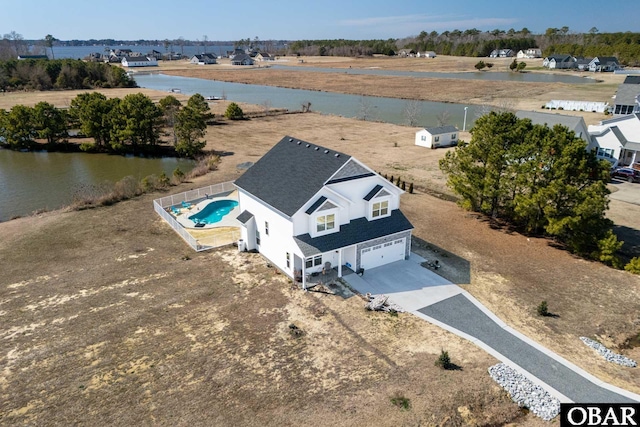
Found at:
[442, 136]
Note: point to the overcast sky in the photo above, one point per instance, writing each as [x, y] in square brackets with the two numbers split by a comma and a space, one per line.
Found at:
[303, 19]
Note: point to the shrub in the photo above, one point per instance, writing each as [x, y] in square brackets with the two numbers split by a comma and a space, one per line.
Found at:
[443, 361]
[398, 182]
[411, 188]
[87, 147]
[543, 309]
[178, 175]
[480, 65]
[234, 112]
[404, 186]
[608, 246]
[163, 181]
[150, 183]
[400, 401]
[633, 266]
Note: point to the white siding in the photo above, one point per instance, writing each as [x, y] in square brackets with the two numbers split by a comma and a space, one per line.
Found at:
[280, 238]
[425, 139]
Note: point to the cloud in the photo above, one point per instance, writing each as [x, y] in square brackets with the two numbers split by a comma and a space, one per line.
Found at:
[433, 22]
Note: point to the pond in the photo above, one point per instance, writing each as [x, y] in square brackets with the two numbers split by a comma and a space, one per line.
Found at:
[41, 180]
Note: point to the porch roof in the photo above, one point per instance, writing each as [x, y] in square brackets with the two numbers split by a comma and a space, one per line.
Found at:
[357, 231]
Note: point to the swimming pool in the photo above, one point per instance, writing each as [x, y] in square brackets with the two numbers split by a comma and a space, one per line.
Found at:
[213, 212]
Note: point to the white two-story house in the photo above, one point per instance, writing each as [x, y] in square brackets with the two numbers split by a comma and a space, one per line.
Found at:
[307, 208]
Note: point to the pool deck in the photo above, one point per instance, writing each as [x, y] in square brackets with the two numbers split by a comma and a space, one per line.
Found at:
[229, 220]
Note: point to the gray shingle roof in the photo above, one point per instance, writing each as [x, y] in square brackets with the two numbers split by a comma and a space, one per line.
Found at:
[244, 217]
[627, 94]
[632, 80]
[316, 205]
[291, 173]
[439, 130]
[373, 192]
[357, 231]
[549, 119]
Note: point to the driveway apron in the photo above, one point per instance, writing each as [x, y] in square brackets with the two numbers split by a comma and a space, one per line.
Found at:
[433, 298]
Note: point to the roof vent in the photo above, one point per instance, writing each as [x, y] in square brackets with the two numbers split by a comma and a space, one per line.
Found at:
[326, 151]
[337, 155]
[307, 145]
[316, 148]
[299, 142]
[290, 139]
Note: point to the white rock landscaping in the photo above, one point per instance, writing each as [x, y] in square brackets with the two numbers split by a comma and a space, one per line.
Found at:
[609, 355]
[524, 392]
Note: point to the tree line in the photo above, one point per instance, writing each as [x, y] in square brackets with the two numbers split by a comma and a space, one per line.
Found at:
[540, 180]
[44, 74]
[131, 124]
[342, 47]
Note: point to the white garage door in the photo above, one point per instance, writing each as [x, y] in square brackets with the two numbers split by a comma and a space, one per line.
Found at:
[382, 254]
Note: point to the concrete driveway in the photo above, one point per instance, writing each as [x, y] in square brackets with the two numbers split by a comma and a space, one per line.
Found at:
[625, 191]
[425, 294]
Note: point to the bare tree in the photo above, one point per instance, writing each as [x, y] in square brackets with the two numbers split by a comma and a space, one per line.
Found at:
[412, 112]
[366, 109]
[17, 41]
[306, 107]
[266, 106]
[181, 44]
[49, 39]
[443, 118]
[204, 42]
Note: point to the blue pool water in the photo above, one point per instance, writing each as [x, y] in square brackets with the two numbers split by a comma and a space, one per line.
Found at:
[214, 211]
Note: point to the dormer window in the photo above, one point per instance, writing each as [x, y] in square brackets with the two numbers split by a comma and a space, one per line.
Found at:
[380, 209]
[325, 223]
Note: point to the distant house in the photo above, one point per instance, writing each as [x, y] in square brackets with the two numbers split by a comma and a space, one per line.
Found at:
[24, 57]
[574, 123]
[604, 64]
[442, 136]
[502, 53]
[237, 51]
[617, 140]
[582, 64]
[242, 59]
[559, 62]
[427, 54]
[627, 98]
[155, 54]
[264, 56]
[407, 53]
[139, 61]
[529, 53]
[203, 59]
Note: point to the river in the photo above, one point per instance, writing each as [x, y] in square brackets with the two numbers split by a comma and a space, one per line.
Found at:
[41, 180]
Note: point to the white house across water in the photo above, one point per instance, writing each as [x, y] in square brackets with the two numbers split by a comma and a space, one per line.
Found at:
[307, 208]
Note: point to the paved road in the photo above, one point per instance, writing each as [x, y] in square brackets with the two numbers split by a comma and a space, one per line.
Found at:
[460, 313]
[626, 191]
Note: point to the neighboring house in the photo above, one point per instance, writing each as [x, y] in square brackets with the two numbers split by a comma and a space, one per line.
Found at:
[442, 136]
[529, 53]
[502, 53]
[306, 208]
[121, 53]
[407, 53]
[24, 57]
[582, 64]
[627, 98]
[427, 54]
[559, 61]
[604, 63]
[574, 123]
[203, 59]
[155, 54]
[617, 140]
[242, 59]
[139, 61]
[263, 56]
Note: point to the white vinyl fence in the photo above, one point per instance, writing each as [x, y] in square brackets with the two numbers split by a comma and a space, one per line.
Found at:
[160, 205]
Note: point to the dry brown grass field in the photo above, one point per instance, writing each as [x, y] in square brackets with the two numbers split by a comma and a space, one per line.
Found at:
[108, 317]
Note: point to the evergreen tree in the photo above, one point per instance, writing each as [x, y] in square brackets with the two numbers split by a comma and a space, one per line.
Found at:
[50, 123]
[234, 112]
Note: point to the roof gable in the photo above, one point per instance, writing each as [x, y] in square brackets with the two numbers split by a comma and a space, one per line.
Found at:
[291, 173]
[571, 122]
[351, 170]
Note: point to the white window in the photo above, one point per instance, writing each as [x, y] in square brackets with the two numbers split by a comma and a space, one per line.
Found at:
[423, 137]
[325, 222]
[288, 260]
[257, 238]
[266, 228]
[605, 152]
[313, 262]
[380, 209]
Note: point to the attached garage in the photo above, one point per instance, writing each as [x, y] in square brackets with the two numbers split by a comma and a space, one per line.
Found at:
[382, 254]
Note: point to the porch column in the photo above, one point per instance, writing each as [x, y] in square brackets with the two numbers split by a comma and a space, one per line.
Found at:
[304, 274]
[633, 158]
[339, 262]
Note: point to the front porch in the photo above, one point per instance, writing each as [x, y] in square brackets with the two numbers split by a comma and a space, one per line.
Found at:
[324, 277]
